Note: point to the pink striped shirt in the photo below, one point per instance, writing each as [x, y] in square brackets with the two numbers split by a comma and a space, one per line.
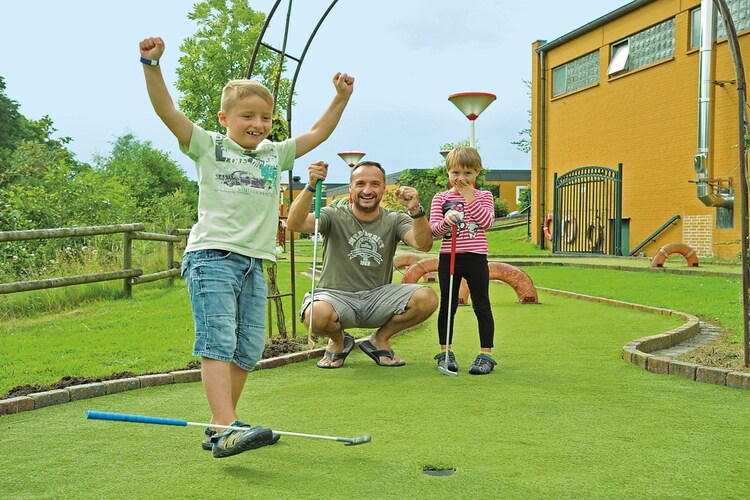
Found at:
[478, 217]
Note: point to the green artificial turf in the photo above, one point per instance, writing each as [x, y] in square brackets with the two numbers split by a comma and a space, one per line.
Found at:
[563, 416]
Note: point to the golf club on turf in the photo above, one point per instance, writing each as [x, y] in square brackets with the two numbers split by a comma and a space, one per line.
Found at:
[444, 368]
[141, 419]
[318, 197]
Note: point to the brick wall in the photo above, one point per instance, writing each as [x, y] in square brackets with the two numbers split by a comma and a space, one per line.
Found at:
[697, 233]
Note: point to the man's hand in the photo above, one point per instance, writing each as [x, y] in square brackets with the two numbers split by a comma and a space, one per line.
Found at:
[408, 196]
[344, 84]
[318, 172]
[152, 48]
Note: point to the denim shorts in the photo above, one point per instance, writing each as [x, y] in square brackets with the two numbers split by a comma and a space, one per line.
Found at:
[228, 296]
[368, 308]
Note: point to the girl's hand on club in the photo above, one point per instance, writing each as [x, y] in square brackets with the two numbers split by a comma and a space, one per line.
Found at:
[453, 217]
[408, 196]
[317, 172]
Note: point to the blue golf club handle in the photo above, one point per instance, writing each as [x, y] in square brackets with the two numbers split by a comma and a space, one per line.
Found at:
[123, 417]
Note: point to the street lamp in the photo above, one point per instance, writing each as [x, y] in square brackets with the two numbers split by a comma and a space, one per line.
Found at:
[351, 157]
[472, 104]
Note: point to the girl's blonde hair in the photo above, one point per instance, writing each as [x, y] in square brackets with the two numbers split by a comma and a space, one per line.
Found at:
[461, 156]
[235, 90]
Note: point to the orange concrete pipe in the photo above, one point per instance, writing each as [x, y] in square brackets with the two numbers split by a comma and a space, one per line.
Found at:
[669, 249]
[513, 276]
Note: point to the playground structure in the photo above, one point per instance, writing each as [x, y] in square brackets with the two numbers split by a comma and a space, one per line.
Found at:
[471, 104]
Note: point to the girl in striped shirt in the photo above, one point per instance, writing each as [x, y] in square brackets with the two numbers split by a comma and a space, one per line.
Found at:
[472, 211]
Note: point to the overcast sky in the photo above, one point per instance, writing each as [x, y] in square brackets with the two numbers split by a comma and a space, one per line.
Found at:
[77, 61]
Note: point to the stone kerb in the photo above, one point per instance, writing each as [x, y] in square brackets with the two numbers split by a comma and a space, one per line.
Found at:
[95, 389]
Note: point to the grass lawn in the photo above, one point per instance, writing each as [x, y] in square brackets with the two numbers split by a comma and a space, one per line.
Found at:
[562, 417]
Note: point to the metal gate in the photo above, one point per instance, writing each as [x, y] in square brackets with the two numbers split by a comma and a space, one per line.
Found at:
[587, 214]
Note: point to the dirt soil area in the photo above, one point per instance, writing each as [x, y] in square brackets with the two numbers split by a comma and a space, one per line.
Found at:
[274, 348]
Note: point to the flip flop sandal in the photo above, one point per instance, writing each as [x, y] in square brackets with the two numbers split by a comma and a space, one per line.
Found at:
[349, 344]
[369, 349]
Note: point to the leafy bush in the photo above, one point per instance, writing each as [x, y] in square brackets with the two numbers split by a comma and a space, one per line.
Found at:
[501, 208]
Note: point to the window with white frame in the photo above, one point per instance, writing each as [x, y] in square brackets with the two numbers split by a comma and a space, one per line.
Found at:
[643, 48]
[619, 62]
[576, 74]
[695, 28]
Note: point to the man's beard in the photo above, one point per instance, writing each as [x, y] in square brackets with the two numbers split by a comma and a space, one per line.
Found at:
[369, 209]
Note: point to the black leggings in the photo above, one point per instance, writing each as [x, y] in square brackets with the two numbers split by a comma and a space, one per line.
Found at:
[472, 267]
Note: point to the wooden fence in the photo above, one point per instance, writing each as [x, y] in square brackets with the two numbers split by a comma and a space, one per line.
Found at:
[129, 275]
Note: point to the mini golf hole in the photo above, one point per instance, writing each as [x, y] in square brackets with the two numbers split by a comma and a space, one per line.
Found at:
[438, 471]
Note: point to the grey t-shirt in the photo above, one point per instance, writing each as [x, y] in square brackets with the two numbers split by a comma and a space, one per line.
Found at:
[358, 255]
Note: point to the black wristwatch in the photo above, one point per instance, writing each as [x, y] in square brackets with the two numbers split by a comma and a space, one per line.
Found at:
[417, 215]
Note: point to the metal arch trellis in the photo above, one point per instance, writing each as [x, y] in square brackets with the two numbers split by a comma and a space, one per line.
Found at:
[282, 52]
[587, 213]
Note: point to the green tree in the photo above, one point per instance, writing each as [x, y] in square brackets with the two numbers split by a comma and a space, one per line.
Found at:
[429, 182]
[524, 143]
[151, 178]
[221, 51]
[15, 129]
[10, 120]
[524, 198]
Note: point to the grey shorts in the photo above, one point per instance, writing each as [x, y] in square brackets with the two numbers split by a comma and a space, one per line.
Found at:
[368, 308]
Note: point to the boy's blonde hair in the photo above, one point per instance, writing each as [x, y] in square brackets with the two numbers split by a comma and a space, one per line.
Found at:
[235, 90]
[461, 156]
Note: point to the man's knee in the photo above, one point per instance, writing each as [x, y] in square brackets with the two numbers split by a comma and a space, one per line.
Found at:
[324, 316]
[424, 301]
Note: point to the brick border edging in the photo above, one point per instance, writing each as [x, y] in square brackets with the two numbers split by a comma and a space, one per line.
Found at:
[639, 351]
[95, 389]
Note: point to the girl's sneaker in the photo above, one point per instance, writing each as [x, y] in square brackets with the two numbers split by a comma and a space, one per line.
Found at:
[483, 365]
[452, 365]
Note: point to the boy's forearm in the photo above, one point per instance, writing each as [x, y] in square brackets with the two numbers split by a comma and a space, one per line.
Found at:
[327, 123]
[324, 127]
[158, 93]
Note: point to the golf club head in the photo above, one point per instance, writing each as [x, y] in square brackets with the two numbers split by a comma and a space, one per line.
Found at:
[358, 440]
[445, 371]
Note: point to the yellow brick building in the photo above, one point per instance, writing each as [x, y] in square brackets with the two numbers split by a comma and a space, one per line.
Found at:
[624, 89]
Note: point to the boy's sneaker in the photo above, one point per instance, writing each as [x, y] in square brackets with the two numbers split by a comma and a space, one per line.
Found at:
[208, 443]
[482, 365]
[452, 365]
[231, 442]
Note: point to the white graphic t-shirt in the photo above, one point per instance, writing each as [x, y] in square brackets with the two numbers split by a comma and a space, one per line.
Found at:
[358, 255]
[238, 202]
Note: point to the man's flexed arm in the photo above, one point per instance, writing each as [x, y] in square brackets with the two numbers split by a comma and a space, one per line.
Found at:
[420, 236]
[300, 220]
